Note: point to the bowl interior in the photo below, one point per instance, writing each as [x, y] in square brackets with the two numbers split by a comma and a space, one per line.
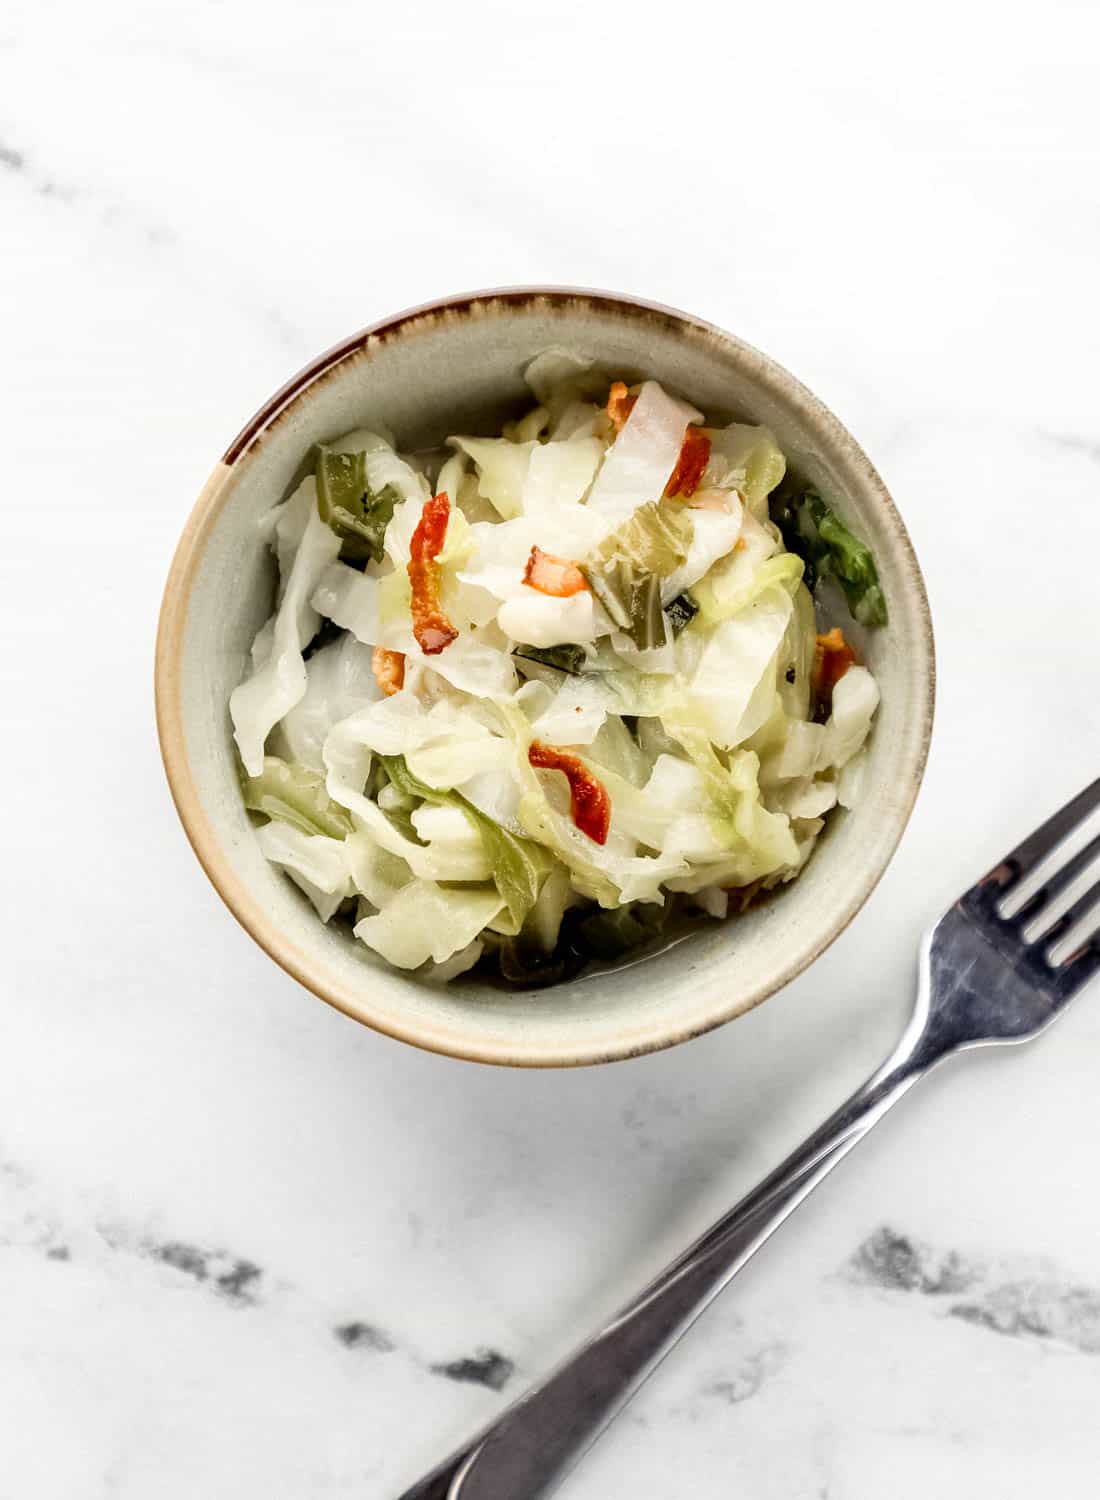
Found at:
[458, 367]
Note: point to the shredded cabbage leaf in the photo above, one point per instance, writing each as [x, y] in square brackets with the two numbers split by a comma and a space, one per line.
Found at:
[294, 795]
[518, 866]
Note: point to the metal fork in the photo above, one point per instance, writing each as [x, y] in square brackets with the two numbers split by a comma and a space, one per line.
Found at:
[981, 981]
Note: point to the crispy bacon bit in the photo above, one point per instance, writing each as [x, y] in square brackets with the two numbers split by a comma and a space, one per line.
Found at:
[431, 627]
[389, 669]
[694, 457]
[552, 575]
[832, 658]
[619, 404]
[590, 804]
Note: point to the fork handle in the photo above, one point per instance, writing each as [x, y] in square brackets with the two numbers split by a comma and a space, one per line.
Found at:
[532, 1446]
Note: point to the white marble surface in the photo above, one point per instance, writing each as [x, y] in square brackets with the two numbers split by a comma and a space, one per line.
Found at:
[206, 1174]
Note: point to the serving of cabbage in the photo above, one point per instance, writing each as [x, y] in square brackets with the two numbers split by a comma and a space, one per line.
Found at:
[522, 699]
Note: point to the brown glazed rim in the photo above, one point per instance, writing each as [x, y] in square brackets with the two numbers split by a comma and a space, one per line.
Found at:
[208, 507]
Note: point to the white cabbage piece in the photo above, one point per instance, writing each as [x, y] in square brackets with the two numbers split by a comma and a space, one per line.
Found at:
[713, 900]
[451, 476]
[617, 749]
[260, 649]
[659, 660]
[554, 900]
[457, 964]
[350, 599]
[738, 659]
[471, 502]
[348, 757]
[501, 470]
[677, 782]
[471, 664]
[317, 865]
[851, 783]
[855, 699]
[535, 619]
[375, 872]
[399, 533]
[757, 842]
[798, 755]
[805, 831]
[714, 535]
[575, 714]
[456, 759]
[496, 793]
[528, 427]
[425, 922]
[446, 824]
[443, 744]
[559, 475]
[669, 813]
[577, 419]
[278, 683]
[640, 461]
[749, 459]
[804, 798]
[735, 580]
[570, 390]
[291, 520]
[339, 680]
[450, 834]
[499, 556]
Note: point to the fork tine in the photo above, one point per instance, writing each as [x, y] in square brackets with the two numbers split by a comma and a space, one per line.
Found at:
[1060, 881]
[1034, 849]
[1078, 969]
[1081, 909]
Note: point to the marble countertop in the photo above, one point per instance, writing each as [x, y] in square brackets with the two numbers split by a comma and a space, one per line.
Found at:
[250, 1249]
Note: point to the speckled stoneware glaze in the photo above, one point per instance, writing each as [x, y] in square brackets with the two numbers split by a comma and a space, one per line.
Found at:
[456, 366]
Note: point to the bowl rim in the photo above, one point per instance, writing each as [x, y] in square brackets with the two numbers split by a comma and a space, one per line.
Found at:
[171, 632]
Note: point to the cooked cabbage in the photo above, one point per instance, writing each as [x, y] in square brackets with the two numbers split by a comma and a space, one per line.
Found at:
[632, 712]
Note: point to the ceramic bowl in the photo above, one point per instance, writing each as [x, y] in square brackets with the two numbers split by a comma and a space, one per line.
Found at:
[456, 366]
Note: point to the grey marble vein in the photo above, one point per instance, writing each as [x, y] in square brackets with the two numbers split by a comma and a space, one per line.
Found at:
[747, 1378]
[235, 1280]
[358, 1335]
[485, 1367]
[1013, 1296]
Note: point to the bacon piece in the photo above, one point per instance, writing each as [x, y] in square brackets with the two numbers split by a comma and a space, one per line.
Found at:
[389, 669]
[556, 576]
[589, 802]
[431, 627]
[619, 404]
[693, 459]
[832, 658]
